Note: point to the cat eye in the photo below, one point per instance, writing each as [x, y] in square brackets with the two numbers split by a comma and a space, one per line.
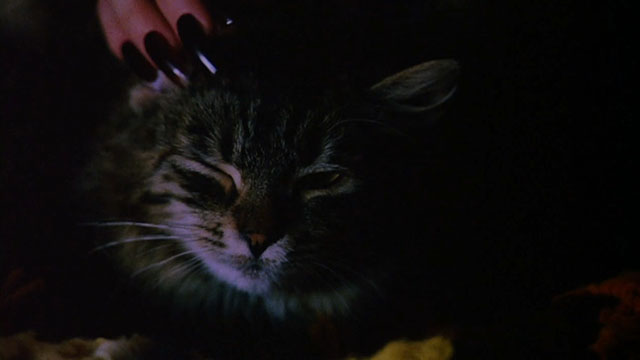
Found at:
[200, 177]
[206, 188]
[320, 180]
[224, 180]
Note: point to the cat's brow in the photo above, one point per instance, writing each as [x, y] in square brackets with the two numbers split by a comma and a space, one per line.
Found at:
[319, 167]
[194, 165]
[233, 172]
[218, 163]
[208, 168]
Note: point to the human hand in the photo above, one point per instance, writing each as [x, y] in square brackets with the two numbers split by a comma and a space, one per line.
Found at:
[155, 34]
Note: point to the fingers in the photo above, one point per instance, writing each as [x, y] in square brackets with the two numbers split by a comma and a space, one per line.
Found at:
[144, 33]
[111, 28]
[174, 9]
[194, 24]
[118, 42]
[135, 19]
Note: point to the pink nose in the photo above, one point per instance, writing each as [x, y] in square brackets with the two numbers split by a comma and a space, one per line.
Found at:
[257, 243]
[257, 239]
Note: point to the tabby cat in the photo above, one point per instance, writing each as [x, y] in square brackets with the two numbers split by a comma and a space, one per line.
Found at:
[235, 200]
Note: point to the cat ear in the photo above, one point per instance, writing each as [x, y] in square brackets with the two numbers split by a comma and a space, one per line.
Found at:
[142, 94]
[420, 88]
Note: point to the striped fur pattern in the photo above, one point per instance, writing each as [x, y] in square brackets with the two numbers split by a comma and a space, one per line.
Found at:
[229, 198]
[186, 183]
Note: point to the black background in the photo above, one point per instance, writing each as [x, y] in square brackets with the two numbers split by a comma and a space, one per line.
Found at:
[536, 171]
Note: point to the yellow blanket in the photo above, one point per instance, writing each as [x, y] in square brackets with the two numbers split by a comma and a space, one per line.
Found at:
[25, 346]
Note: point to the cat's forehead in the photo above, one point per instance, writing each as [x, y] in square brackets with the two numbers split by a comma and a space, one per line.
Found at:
[260, 137]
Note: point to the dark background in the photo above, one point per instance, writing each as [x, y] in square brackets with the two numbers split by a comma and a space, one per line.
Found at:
[535, 173]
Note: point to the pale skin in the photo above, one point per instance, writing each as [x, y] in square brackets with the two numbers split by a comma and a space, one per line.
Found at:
[132, 20]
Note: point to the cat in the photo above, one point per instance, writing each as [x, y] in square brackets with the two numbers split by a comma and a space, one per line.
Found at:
[236, 200]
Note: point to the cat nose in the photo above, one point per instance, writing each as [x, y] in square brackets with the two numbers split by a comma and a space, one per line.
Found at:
[258, 243]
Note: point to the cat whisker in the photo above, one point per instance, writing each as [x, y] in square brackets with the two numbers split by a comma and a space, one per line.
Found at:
[359, 120]
[137, 239]
[165, 226]
[365, 279]
[160, 263]
[187, 268]
[330, 271]
[369, 122]
[126, 223]
[332, 264]
[154, 249]
[335, 290]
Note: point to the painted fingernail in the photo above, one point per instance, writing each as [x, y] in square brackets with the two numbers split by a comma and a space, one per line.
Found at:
[194, 39]
[166, 58]
[137, 62]
[190, 30]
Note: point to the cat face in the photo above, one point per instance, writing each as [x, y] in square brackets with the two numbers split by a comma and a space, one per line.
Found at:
[258, 197]
[221, 192]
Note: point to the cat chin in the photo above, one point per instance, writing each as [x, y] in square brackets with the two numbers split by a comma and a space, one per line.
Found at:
[279, 303]
[250, 279]
[242, 293]
[239, 269]
[243, 273]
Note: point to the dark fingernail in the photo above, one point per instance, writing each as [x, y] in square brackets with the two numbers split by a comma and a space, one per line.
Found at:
[167, 59]
[137, 62]
[194, 39]
[190, 30]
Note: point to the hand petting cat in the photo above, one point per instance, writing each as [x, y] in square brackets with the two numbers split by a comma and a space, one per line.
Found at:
[152, 35]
